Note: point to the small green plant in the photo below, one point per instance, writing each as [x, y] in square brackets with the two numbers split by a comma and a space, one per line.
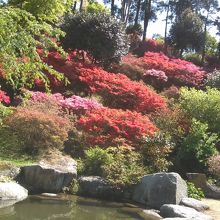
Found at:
[121, 166]
[194, 192]
[95, 159]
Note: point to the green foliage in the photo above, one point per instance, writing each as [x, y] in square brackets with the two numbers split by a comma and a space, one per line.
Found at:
[194, 192]
[4, 111]
[126, 169]
[120, 166]
[203, 106]
[101, 35]
[95, 7]
[197, 147]
[187, 32]
[20, 37]
[155, 151]
[95, 159]
[193, 57]
[46, 10]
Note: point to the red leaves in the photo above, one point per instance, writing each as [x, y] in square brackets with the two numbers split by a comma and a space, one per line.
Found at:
[110, 127]
[178, 71]
[117, 90]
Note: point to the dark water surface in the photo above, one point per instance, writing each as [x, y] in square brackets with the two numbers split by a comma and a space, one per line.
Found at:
[68, 208]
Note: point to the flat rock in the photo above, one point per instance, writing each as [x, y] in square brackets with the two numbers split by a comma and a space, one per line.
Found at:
[173, 211]
[97, 187]
[150, 215]
[194, 203]
[48, 176]
[12, 191]
[160, 188]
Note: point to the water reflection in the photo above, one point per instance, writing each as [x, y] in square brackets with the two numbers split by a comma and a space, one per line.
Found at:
[74, 208]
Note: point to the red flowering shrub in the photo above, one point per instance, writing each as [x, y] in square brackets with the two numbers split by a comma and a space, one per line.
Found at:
[4, 98]
[149, 45]
[117, 90]
[178, 72]
[110, 127]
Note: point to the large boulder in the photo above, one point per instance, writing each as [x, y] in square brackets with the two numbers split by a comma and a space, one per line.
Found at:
[194, 203]
[97, 187]
[48, 176]
[11, 193]
[160, 188]
[173, 211]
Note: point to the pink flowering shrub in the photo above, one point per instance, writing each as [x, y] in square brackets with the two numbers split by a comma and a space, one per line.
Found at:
[4, 98]
[74, 104]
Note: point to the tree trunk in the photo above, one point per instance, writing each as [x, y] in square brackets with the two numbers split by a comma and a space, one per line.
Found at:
[137, 12]
[128, 11]
[81, 5]
[113, 7]
[204, 43]
[166, 25]
[74, 6]
[146, 17]
[123, 4]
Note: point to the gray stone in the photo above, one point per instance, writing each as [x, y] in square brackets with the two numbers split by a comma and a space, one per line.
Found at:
[177, 219]
[49, 176]
[194, 203]
[95, 186]
[12, 191]
[150, 215]
[173, 211]
[160, 188]
[10, 172]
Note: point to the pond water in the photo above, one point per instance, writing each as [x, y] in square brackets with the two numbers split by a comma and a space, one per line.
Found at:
[76, 208]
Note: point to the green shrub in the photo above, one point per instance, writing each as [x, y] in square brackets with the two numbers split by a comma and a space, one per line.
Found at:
[100, 35]
[155, 151]
[197, 147]
[120, 166]
[4, 111]
[126, 169]
[203, 106]
[194, 192]
[95, 159]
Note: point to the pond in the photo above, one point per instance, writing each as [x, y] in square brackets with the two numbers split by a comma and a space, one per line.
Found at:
[68, 208]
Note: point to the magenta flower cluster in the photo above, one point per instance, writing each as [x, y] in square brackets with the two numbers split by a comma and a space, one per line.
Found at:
[75, 104]
[157, 74]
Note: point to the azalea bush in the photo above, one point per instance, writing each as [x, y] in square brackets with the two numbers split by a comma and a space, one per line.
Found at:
[116, 90]
[4, 98]
[38, 127]
[149, 45]
[213, 79]
[176, 72]
[74, 104]
[111, 127]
